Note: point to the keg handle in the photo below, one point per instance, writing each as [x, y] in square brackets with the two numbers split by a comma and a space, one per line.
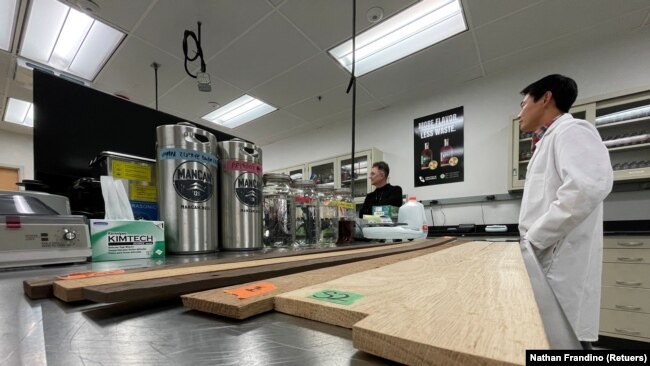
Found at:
[197, 138]
[250, 151]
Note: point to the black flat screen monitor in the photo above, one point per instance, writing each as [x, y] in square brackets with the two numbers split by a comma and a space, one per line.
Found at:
[74, 123]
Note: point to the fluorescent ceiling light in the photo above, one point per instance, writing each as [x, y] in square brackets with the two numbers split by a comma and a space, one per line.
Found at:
[68, 40]
[239, 111]
[20, 112]
[420, 26]
[7, 17]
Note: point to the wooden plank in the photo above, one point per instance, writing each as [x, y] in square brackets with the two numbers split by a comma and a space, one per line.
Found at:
[467, 305]
[41, 287]
[218, 302]
[174, 282]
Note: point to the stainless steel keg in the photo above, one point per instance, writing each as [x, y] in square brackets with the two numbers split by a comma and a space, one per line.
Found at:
[187, 188]
[241, 195]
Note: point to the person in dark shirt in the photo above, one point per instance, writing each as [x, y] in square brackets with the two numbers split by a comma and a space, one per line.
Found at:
[384, 194]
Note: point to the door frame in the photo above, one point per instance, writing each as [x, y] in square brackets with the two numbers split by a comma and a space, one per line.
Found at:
[21, 172]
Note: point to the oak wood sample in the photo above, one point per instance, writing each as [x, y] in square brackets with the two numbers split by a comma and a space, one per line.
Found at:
[471, 304]
[41, 287]
[178, 281]
[218, 302]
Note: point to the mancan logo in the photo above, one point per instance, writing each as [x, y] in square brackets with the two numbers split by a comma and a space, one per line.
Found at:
[193, 181]
[248, 189]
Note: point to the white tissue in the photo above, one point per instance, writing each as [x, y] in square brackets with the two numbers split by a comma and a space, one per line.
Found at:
[116, 201]
[123, 200]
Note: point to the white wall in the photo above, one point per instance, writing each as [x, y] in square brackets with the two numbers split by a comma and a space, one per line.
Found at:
[490, 103]
[16, 151]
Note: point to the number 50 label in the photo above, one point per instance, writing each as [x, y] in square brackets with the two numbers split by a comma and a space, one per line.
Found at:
[336, 296]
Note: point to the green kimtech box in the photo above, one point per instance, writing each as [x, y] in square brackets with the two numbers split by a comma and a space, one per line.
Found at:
[126, 239]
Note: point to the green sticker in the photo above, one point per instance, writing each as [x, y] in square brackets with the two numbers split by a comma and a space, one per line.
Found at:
[336, 297]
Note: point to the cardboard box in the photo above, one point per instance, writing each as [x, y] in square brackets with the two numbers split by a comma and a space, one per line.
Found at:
[126, 239]
[388, 211]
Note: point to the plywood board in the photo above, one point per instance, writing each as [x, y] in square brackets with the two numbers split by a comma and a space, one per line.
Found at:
[179, 281]
[219, 302]
[41, 287]
[467, 305]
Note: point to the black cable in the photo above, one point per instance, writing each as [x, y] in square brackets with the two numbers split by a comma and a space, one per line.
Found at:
[199, 50]
[155, 71]
[353, 85]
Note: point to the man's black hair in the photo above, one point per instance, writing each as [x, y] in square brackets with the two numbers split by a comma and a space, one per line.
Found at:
[564, 89]
[380, 165]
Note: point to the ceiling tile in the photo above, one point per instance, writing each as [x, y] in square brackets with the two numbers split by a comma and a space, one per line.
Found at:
[445, 58]
[304, 81]
[187, 97]
[122, 13]
[593, 37]
[270, 48]
[268, 125]
[129, 71]
[482, 12]
[329, 23]
[546, 21]
[333, 101]
[442, 83]
[276, 2]
[221, 22]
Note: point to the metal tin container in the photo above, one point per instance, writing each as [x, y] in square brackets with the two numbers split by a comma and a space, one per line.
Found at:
[241, 195]
[137, 174]
[187, 188]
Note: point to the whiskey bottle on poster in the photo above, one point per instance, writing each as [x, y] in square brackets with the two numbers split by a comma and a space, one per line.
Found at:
[446, 152]
[425, 157]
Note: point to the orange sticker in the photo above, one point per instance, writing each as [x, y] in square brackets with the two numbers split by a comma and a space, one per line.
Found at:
[80, 275]
[252, 290]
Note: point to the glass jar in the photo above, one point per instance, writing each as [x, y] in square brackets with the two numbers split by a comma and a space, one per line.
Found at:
[345, 204]
[347, 214]
[306, 216]
[328, 215]
[277, 228]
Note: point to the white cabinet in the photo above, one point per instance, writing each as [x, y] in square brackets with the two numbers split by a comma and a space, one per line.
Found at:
[623, 122]
[624, 125]
[323, 172]
[296, 172]
[357, 174]
[625, 297]
[338, 171]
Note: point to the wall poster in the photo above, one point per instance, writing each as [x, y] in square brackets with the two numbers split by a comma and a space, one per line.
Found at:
[438, 148]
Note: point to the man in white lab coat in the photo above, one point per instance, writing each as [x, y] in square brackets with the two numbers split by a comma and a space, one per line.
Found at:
[568, 177]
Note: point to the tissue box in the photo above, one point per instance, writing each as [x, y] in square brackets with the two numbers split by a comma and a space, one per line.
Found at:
[126, 239]
[389, 211]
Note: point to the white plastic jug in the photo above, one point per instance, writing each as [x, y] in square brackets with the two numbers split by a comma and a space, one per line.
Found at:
[412, 214]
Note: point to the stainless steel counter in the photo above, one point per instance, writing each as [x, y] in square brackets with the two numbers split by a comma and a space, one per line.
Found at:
[51, 332]
[48, 331]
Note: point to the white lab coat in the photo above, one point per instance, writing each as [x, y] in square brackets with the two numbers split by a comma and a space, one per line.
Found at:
[569, 176]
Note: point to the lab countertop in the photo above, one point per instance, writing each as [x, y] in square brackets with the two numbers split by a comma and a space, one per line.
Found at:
[51, 332]
[623, 227]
